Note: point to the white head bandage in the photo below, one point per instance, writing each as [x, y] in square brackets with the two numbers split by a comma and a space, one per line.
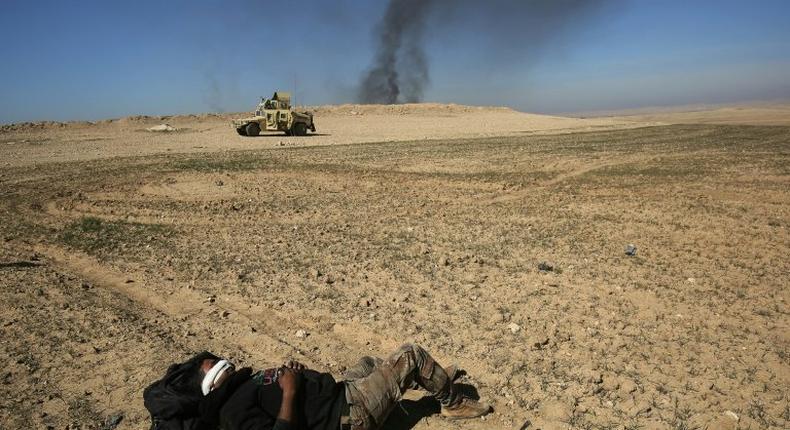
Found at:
[213, 375]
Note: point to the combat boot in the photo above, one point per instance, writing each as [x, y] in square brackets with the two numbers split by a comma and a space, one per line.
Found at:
[465, 408]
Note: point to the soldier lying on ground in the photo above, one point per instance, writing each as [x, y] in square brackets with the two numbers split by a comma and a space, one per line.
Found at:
[207, 392]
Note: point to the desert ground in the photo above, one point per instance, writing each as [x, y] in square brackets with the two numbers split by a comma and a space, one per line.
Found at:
[496, 239]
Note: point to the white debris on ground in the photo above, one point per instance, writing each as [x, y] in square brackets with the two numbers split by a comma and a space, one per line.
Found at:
[162, 127]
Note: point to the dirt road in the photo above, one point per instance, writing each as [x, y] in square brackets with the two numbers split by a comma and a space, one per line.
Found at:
[114, 266]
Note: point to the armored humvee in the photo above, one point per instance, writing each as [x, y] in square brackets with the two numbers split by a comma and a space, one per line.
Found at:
[275, 114]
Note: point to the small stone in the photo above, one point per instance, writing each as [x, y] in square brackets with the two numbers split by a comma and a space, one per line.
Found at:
[514, 328]
[225, 314]
[732, 415]
[539, 342]
[595, 377]
[301, 334]
[219, 183]
[630, 249]
[112, 422]
[627, 386]
[545, 267]
[610, 383]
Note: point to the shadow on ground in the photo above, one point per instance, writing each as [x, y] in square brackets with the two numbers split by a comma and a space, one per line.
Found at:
[410, 412]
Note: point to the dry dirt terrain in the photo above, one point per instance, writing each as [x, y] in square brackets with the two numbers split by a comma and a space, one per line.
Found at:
[493, 238]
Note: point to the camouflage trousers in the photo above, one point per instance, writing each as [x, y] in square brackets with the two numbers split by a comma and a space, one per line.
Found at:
[375, 386]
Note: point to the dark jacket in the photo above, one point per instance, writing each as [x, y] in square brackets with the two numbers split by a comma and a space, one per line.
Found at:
[255, 404]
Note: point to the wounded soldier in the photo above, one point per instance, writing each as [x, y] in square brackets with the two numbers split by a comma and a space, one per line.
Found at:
[207, 392]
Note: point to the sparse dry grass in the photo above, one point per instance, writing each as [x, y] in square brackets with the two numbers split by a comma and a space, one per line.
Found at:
[438, 242]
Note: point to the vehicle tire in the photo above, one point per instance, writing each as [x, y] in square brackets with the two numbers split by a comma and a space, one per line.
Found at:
[252, 129]
[241, 131]
[299, 129]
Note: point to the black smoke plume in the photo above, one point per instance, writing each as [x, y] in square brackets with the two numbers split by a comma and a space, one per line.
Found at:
[400, 70]
[509, 30]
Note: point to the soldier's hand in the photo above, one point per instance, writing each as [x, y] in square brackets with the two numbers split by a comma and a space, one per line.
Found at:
[289, 380]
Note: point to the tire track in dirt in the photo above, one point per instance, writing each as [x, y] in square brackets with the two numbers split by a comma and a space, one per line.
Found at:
[181, 304]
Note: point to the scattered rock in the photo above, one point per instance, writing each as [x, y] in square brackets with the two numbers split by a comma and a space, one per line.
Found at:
[610, 383]
[595, 377]
[627, 386]
[723, 422]
[111, 422]
[514, 328]
[301, 334]
[545, 267]
[630, 249]
[539, 342]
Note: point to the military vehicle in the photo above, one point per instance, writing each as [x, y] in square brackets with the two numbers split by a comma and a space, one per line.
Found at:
[275, 114]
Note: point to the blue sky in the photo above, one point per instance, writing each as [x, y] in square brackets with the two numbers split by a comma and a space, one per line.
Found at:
[67, 60]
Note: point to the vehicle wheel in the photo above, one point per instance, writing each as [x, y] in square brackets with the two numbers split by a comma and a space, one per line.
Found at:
[252, 129]
[241, 131]
[299, 129]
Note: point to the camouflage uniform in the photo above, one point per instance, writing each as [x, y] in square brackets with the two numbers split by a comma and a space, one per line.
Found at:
[374, 386]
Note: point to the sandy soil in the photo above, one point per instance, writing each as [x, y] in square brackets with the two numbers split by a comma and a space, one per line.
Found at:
[31, 143]
[740, 114]
[125, 250]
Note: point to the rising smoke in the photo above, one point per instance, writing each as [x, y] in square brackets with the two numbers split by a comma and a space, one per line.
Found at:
[400, 69]
[506, 28]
